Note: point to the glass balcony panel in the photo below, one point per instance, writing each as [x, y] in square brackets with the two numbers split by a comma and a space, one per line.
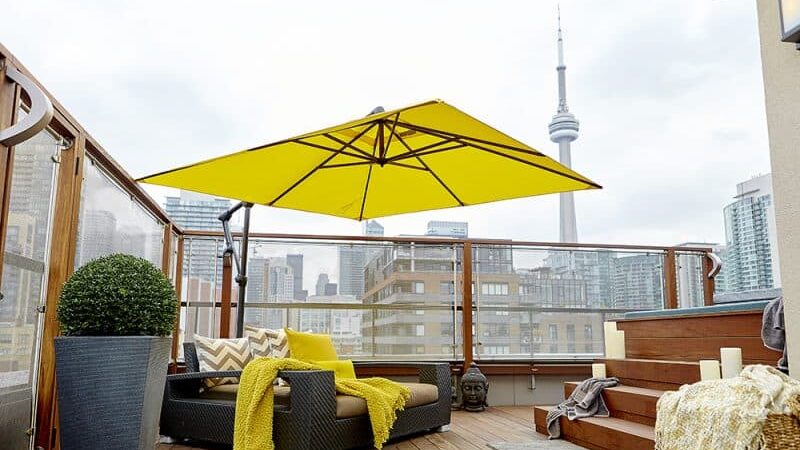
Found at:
[550, 303]
[111, 221]
[690, 279]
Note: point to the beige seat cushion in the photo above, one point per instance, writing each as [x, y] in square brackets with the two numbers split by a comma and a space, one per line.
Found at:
[346, 405]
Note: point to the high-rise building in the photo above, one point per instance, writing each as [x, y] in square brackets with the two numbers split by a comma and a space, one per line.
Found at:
[324, 286]
[638, 282]
[296, 263]
[563, 130]
[751, 262]
[193, 211]
[269, 280]
[372, 228]
[448, 229]
[353, 258]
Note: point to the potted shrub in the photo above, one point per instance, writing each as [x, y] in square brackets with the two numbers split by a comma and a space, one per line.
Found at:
[116, 314]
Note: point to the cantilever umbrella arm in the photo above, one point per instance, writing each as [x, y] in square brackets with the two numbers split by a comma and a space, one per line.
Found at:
[241, 261]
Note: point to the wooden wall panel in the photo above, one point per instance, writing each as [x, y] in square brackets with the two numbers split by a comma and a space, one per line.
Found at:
[696, 337]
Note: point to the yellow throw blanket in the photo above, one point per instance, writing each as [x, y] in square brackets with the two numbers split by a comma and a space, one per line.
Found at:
[255, 402]
[723, 414]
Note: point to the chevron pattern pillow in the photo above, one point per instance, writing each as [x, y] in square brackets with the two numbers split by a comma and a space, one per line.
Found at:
[259, 340]
[222, 354]
[279, 344]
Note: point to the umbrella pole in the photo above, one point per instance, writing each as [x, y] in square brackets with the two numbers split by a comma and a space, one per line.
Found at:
[241, 263]
[242, 278]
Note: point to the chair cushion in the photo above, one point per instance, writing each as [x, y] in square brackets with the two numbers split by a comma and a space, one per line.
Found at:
[311, 347]
[346, 405]
[221, 354]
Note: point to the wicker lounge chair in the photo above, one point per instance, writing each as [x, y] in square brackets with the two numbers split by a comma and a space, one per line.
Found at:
[308, 415]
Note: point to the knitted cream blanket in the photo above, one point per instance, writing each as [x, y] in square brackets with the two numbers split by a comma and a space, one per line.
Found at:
[255, 401]
[723, 414]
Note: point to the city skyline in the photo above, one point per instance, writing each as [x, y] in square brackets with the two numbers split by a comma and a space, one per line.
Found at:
[640, 136]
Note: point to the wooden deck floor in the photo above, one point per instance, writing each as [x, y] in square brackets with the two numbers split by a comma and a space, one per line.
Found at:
[469, 431]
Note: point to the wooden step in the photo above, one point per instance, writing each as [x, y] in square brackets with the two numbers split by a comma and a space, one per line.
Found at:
[599, 433]
[653, 374]
[631, 403]
[696, 337]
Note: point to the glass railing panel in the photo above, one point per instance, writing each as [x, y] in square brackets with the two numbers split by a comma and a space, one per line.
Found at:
[690, 278]
[201, 288]
[551, 302]
[111, 221]
[388, 332]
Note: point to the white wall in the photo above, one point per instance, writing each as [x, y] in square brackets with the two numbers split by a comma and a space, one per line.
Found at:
[781, 68]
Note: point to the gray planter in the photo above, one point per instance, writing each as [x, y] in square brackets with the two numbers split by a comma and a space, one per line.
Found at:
[110, 390]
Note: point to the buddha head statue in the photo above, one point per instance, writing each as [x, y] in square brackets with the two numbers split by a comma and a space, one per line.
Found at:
[474, 389]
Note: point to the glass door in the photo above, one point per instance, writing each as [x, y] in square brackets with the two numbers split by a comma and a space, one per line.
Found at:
[22, 284]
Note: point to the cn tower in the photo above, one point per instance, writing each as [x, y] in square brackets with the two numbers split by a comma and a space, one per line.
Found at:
[564, 130]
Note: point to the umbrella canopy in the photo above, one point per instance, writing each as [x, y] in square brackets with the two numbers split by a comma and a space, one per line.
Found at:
[422, 157]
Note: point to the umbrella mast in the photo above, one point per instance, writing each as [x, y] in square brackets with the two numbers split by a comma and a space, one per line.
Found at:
[241, 263]
[564, 130]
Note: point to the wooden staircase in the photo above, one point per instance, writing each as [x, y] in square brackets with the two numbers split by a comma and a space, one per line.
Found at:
[663, 355]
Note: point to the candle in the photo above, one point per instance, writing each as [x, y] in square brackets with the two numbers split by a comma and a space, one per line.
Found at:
[709, 369]
[616, 345]
[608, 329]
[598, 370]
[731, 358]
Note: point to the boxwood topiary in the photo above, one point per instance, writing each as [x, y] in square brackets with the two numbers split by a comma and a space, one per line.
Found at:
[117, 295]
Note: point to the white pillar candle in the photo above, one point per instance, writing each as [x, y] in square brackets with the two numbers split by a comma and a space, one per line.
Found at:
[616, 345]
[608, 328]
[598, 370]
[709, 369]
[731, 358]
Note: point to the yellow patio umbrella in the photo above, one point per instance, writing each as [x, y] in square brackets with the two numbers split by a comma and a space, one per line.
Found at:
[422, 157]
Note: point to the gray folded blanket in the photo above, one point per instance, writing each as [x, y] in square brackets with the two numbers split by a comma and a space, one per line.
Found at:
[585, 401]
[773, 331]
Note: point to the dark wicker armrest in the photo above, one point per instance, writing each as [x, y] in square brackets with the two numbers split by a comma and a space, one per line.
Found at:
[204, 375]
[189, 384]
[311, 388]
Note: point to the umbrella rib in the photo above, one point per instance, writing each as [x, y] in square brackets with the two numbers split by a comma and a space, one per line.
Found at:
[411, 152]
[333, 166]
[426, 153]
[407, 166]
[349, 144]
[447, 188]
[459, 137]
[391, 133]
[369, 172]
[332, 150]
[495, 152]
[311, 172]
[539, 166]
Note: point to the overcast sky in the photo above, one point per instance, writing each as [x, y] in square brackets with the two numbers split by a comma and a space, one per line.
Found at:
[668, 93]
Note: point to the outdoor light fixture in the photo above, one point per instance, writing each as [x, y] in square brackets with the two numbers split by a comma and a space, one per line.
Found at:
[790, 21]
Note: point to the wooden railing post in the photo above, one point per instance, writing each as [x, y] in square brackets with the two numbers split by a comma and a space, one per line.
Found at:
[466, 296]
[62, 258]
[166, 250]
[225, 306]
[670, 280]
[709, 283]
[176, 330]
